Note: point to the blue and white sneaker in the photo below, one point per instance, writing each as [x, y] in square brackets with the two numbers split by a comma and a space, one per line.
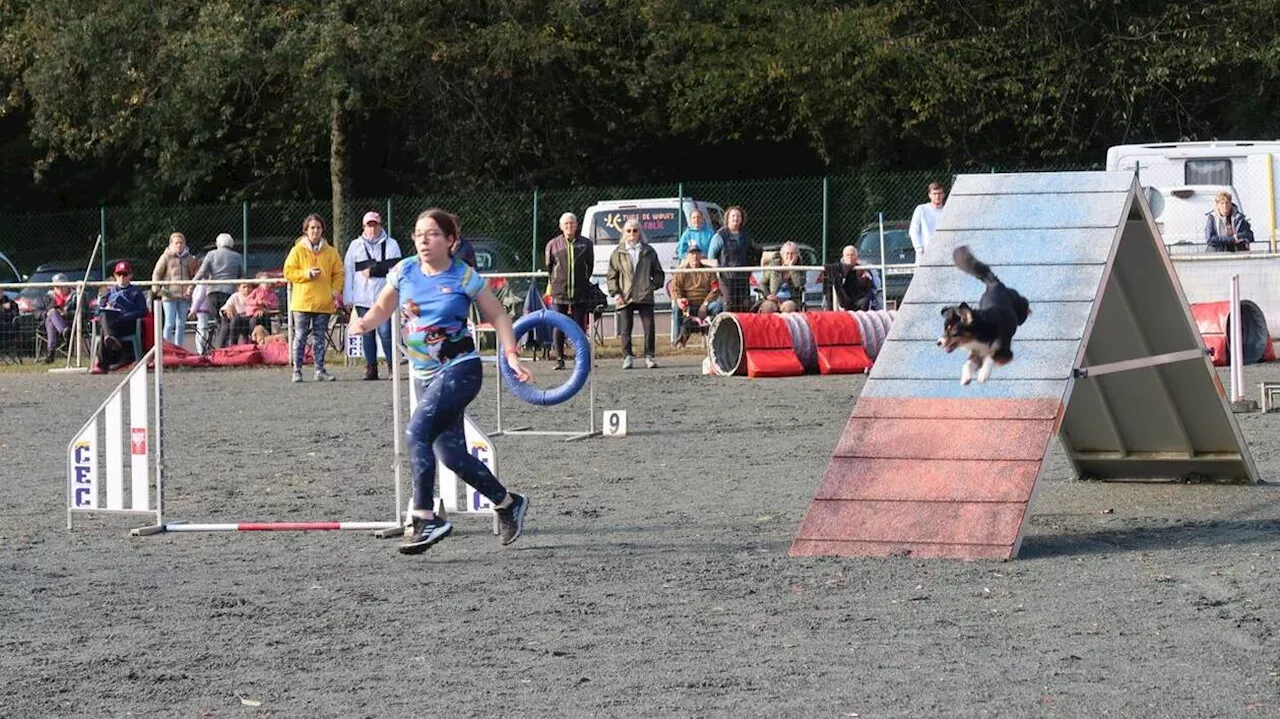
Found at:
[425, 533]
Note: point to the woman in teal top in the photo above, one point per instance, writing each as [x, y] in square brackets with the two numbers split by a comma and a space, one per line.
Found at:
[434, 292]
[696, 233]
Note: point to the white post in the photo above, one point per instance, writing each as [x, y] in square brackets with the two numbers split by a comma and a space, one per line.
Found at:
[157, 346]
[397, 430]
[1235, 338]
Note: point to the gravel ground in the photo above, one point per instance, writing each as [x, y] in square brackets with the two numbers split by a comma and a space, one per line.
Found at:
[653, 579]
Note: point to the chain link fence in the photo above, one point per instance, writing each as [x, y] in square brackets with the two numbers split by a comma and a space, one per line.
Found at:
[824, 213]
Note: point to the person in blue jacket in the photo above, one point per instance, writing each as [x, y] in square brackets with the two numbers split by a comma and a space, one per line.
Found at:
[434, 291]
[1226, 229]
[118, 314]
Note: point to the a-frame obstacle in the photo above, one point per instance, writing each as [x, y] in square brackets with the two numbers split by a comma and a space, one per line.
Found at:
[1109, 360]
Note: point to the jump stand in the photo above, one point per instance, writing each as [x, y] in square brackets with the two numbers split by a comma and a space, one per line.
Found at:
[569, 435]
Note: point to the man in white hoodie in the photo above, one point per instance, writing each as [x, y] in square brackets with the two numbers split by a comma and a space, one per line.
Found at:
[369, 257]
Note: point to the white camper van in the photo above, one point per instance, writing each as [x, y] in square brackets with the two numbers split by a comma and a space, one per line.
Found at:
[602, 224]
[1181, 180]
[1183, 177]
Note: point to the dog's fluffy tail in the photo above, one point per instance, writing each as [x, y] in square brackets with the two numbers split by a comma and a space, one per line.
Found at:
[965, 260]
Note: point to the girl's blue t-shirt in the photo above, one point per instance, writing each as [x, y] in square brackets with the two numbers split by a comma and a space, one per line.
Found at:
[434, 310]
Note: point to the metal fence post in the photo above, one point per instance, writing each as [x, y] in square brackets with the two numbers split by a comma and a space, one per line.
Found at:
[533, 252]
[387, 224]
[825, 215]
[102, 230]
[244, 242]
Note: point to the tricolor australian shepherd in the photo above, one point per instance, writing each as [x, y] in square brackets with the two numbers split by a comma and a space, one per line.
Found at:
[986, 332]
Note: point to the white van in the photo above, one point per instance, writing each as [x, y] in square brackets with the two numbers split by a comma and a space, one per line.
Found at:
[602, 224]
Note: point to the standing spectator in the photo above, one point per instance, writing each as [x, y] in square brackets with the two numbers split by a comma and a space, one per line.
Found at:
[570, 259]
[731, 247]
[118, 314]
[223, 263]
[856, 288]
[236, 313]
[634, 273]
[695, 235]
[369, 258]
[784, 289]
[697, 294]
[314, 269]
[1226, 229]
[62, 306]
[435, 291]
[175, 264]
[262, 304]
[925, 219]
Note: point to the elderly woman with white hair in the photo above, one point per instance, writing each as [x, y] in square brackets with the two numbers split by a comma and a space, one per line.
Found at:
[635, 272]
[783, 289]
[223, 263]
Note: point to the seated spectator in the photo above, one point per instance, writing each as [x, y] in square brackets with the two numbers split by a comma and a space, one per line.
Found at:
[263, 302]
[856, 288]
[697, 294]
[1226, 229]
[783, 290]
[118, 314]
[236, 329]
[62, 307]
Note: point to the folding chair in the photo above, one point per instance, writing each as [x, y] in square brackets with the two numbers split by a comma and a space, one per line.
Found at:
[65, 348]
[134, 339]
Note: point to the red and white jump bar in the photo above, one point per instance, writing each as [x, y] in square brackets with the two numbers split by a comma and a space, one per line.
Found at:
[279, 526]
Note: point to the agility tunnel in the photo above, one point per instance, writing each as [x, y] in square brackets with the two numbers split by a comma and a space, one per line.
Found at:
[1213, 319]
[1110, 360]
[794, 343]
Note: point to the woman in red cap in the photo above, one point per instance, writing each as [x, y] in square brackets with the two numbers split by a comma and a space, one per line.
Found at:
[118, 314]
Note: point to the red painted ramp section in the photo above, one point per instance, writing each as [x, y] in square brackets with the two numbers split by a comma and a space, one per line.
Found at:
[930, 478]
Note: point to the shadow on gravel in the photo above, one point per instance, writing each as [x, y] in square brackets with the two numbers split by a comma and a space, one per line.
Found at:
[1192, 534]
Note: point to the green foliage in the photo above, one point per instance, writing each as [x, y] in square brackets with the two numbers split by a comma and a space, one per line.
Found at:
[180, 100]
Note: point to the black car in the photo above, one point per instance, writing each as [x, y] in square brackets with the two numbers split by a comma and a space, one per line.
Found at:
[898, 252]
[33, 300]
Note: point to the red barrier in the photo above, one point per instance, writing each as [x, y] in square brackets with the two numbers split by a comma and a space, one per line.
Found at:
[839, 340]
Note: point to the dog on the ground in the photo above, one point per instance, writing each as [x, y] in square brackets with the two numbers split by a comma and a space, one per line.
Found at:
[689, 327]
[260, 336]
[986, 332]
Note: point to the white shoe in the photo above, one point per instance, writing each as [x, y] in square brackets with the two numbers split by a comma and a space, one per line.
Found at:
[626, 362]
[297, 377]
[650, 363]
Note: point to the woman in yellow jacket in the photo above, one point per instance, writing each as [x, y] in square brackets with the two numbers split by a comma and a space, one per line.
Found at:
[315, 274]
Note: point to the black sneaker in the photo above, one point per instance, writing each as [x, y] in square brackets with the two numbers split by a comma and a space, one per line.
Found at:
[424, 533]
[559, 364]
[511, 519]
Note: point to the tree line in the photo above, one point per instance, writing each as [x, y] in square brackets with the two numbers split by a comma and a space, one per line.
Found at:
[125, 101]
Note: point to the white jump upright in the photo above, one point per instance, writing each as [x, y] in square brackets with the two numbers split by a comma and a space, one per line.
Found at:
[89, 450]
[1235, 339]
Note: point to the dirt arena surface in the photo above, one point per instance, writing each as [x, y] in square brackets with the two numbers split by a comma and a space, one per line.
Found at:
[652, 580]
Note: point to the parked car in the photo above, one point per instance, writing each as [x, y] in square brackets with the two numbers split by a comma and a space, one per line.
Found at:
[9, 274]
[33, 300]
[900, 256]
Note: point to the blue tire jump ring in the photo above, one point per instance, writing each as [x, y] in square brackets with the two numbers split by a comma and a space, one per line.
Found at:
[581, 359]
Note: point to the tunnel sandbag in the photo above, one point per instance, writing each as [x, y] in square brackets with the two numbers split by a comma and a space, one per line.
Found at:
[1213, 319]
[839, 340]
[757, 345]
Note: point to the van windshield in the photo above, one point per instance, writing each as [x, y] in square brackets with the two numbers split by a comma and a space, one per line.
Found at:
[659, 224]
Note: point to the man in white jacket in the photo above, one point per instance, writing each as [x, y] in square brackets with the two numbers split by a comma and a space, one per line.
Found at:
[369, 257]
[925, 219]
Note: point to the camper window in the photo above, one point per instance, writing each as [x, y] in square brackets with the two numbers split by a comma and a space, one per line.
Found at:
[1208, 172]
